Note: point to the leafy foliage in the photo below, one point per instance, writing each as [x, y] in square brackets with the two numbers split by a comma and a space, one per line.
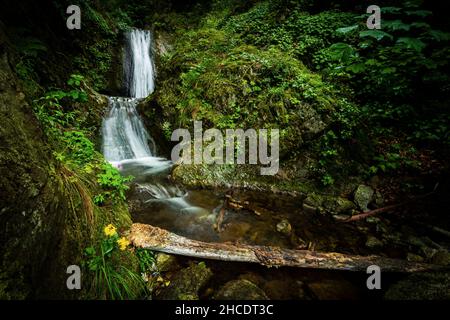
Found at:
[112, 279]
[397, 71]
[113, 182]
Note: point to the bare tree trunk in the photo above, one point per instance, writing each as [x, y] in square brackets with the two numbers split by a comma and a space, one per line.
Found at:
[153, 238]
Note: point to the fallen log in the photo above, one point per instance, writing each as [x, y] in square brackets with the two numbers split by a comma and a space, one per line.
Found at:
[153, 238]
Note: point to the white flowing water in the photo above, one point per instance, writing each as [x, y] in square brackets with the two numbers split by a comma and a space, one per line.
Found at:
[129, 146]
[124, 134]
[126, 142]
[138, 65]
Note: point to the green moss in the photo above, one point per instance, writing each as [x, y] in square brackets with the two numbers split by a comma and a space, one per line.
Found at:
[212, 74]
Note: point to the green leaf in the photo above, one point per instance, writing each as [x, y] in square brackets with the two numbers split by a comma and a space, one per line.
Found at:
[440, 35]
[412, 43]
[420, 25]
[357, 67]
[390, 10]
[395, 25]
[341, 51]
[420, 13]
[346, 30]
[90, 251]
[376, 34]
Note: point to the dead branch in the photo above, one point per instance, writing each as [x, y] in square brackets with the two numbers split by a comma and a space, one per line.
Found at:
[153, 238]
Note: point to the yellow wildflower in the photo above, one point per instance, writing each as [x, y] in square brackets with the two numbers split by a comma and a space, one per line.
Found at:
[123, 243]
[110, 230]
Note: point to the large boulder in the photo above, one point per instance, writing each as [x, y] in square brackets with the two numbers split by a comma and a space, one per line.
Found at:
[421, 286]
[333, 290]
[186, 284]
[240, 290]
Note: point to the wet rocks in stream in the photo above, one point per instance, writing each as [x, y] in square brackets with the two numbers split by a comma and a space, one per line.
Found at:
[240, 290]
[328, 204]
[333, 290]
[363, 196]
[421, 286]
[186, 284]
[284, 227]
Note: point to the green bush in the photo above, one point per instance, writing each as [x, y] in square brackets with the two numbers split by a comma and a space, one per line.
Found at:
[113, 182]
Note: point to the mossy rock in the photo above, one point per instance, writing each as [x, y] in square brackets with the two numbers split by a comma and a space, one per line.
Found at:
[363, 196]
[186, 284]
[421, 286]
[240, 290]
[330, 204]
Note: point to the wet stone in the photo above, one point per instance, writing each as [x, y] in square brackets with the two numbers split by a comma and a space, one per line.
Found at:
[333, 290]
[186, 284]
[363, 196]
[284, 227]
[240, 290]
[421, 286]
[373, 242]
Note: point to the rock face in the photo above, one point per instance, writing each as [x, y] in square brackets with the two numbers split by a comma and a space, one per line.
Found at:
[240, 290]
[32, 201]
[42, 231]
[363, 196]
[187, 283]
[421, 286]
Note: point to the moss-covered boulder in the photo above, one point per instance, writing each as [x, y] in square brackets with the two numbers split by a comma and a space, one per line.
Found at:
[32, 200]
[334, 205]
[421, 286]
[240, 290]
[363, 196]
[186, 284]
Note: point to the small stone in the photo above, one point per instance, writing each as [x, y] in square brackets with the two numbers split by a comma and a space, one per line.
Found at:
[166, 262]
[284, 227]
[373, 242]
[342, 205]
[314, 200]
[309, 209]
[441, 257]
[414, 257]
[378, 198]
[428, 252]
[363, 196]
[341, 217]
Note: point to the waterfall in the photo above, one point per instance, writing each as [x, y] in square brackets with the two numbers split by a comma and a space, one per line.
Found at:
[138, 65]
[126, 143]
[124, 134]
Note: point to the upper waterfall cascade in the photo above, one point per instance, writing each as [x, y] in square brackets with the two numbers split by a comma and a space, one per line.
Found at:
[138, 64]
[124, 134]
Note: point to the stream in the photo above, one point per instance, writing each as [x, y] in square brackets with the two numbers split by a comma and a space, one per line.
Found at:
[156, 200]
